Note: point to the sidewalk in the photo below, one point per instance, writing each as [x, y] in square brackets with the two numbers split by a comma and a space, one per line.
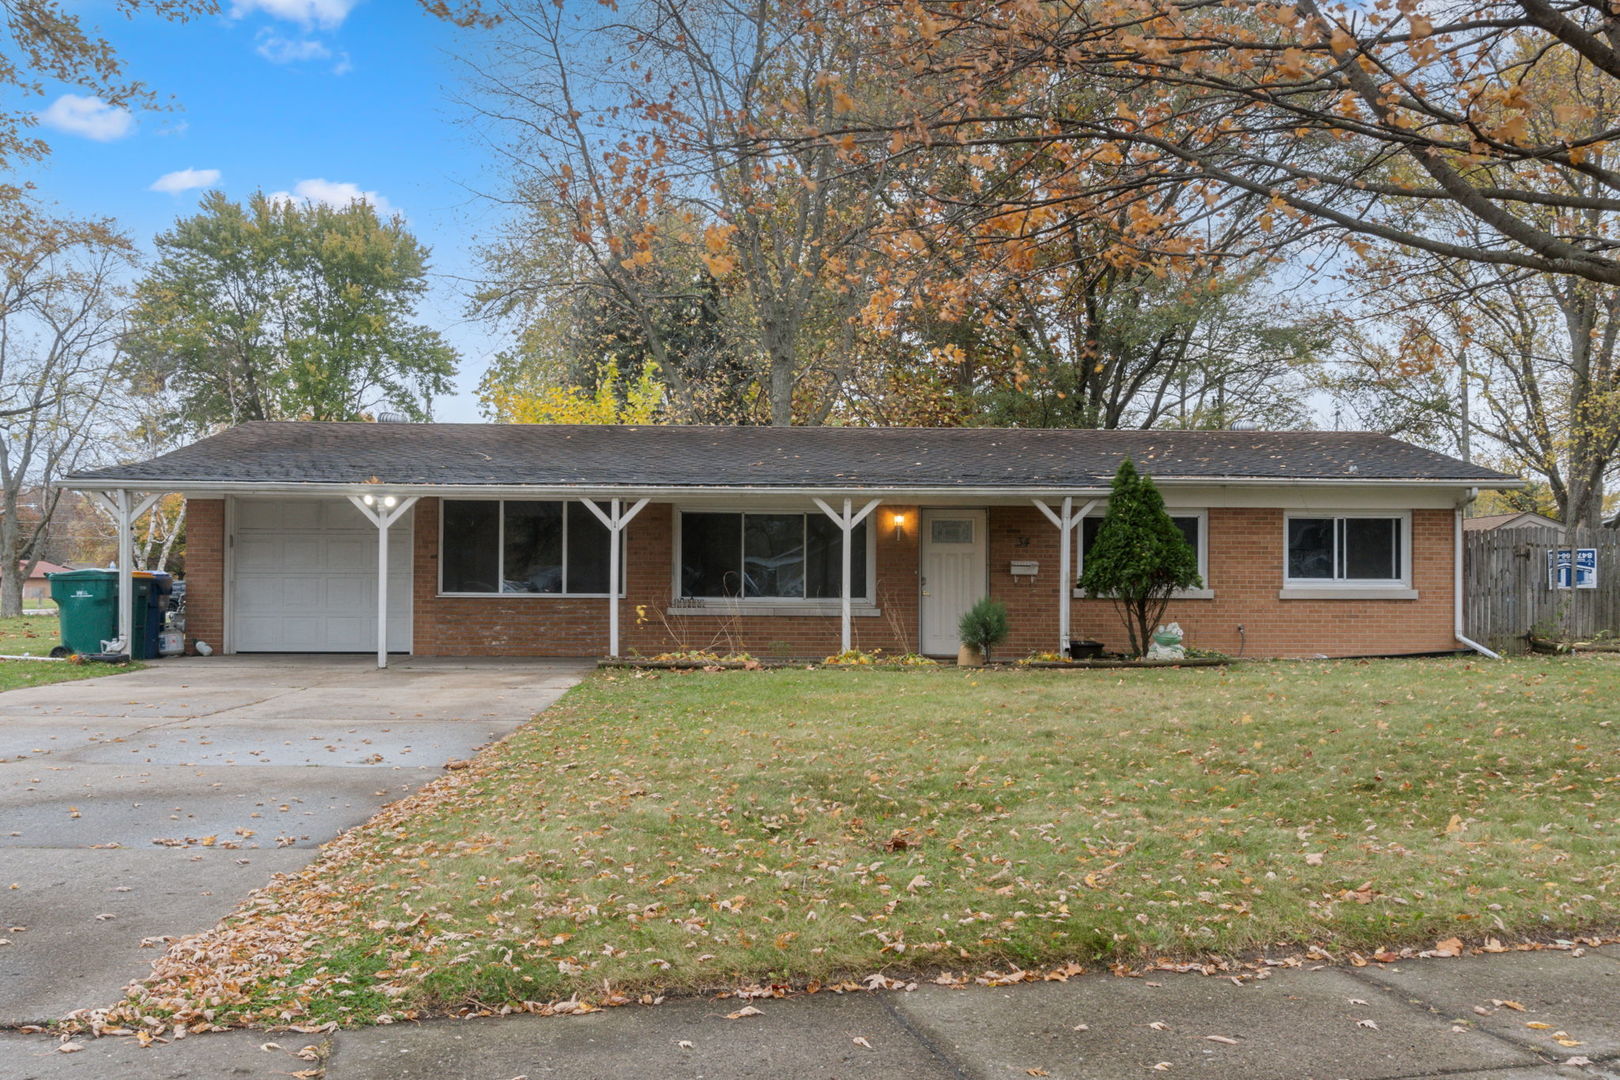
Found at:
[1413, 1019]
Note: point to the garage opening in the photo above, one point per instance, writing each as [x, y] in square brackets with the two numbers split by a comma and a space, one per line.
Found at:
[304, 578]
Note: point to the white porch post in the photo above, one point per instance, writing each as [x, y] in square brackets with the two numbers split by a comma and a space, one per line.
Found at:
[119, 506]
[615, 520]
[847, 522]
[126, 570]
[1065, 523]
[382, 512]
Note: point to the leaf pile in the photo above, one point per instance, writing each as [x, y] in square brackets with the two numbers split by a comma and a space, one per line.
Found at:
[655, 833]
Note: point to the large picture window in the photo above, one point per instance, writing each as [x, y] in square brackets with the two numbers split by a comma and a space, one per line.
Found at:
[522, 546]
[768, 557]
[1193, 526]
[1360, 548]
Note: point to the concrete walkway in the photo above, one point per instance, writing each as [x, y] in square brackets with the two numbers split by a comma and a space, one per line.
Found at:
[148, 804]
[1425, 1018]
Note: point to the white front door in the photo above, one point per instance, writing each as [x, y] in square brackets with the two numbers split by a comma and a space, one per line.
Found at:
[953, 577]
[305, 578]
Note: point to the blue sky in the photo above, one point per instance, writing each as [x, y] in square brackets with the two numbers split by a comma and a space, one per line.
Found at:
[320, 98]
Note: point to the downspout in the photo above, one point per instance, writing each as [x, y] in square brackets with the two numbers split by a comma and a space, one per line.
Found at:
[1457, 580]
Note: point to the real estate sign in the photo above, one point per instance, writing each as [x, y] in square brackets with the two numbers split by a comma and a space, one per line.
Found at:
[1585, 565]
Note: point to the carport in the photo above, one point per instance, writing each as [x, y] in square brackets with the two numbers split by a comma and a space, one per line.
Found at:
[293, 544]
[299, 577]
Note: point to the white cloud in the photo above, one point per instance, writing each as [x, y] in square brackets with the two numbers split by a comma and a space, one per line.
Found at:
[343, 66]
[279, 50]
[334, 194]
[88, 116]
[326, 13]
[184, 180]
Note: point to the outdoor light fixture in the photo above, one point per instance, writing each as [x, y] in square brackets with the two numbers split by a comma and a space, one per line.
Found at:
[899, 524]
[388, 501]
[368, 500]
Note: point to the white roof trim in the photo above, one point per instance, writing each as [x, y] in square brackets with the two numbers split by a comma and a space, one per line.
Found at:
[1018, 494]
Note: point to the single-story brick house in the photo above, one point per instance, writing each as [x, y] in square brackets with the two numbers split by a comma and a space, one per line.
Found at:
[495, 539]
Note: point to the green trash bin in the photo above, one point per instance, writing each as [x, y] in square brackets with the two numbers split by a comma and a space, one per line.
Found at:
[87, 610]
[86, 607]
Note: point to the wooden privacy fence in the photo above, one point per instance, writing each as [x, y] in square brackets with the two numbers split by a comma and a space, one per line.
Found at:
[1508, 593]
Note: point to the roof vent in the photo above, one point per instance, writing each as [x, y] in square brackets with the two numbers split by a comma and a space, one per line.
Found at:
[392, 418]
[1245, 425]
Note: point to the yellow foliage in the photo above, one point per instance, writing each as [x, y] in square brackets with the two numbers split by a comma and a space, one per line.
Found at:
[613, 402]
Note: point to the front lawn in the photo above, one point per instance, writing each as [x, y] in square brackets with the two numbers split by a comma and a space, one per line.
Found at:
[36, 635]
[658, 832]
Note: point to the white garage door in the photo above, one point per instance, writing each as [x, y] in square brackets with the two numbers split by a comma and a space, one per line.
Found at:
[305, 578]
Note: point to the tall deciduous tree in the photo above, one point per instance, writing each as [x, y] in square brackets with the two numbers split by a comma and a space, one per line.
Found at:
[626, 138]
[1343, 116]
[277, 310]
[60, 315]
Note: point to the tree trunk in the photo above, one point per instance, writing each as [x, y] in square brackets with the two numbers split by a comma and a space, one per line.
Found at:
[11, 581]
[781, 384]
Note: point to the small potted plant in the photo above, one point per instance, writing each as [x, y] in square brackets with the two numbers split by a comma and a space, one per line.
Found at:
[981, 626]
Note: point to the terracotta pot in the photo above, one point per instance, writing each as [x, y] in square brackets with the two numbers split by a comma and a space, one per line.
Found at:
[968, 656]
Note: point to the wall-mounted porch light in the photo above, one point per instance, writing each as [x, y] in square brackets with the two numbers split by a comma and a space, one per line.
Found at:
[899, 521]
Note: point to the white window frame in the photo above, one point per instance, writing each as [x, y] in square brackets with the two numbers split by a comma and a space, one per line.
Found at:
[500, 553]
[768, 605]
[1204, 592]
[1397, 588]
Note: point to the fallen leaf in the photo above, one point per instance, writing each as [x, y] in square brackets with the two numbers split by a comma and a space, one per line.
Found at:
[70, 1048]
[746, 1010]
[1455, 825]
[1538, 1025]
[1221, 1039]
[1449, 947]
[1500, 1004]
[685, 1044]
[1578, 1060]
[1314, 858]
[1357, 1001]
[1163, 1066]
[1159, 1025]
[1036, 1072]
[858, 1041]
[1367, 1024]
[1082, 1027]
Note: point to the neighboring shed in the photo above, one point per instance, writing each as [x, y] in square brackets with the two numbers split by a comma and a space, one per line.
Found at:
[1527, 519]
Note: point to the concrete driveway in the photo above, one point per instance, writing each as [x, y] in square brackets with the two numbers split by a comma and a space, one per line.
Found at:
[148, 804]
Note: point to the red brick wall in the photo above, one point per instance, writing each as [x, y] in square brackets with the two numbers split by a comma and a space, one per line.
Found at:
[530, 625]
[205, 572]
[1245, 572]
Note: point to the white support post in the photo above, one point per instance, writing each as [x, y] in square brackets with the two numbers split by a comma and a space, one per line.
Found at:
[126, 568]
[846, 521]
[382, 512]
[124, 514]
[1065, 523]
[615, 520]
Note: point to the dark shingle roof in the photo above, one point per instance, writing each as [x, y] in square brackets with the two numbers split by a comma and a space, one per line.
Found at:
[800, 457]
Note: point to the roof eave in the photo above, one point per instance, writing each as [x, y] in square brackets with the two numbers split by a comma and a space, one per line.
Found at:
[636, 491]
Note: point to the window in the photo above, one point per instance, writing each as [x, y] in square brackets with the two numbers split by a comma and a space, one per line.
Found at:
[1193, 525]
[522, 546]
[1347, 548]
[768, 557]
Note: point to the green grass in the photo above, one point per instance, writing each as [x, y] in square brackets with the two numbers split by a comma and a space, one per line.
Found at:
[36, 635]
[683, 832]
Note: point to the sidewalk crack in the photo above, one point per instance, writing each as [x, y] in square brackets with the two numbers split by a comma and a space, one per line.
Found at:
[937, 1052]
